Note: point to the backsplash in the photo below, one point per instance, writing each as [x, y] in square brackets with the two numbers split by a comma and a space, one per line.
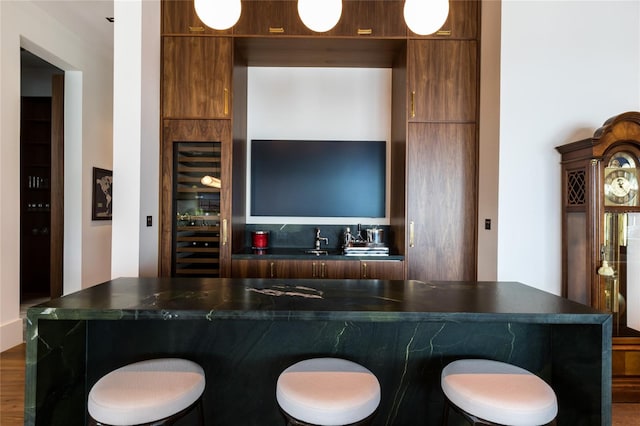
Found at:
[303, 236]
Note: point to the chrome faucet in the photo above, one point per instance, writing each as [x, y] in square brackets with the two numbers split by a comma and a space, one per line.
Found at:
[320, 239]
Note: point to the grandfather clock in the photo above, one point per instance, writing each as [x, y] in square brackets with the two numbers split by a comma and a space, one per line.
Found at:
[601, 237]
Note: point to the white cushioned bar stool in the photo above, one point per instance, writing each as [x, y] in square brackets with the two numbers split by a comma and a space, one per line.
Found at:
[328, 391]
[152, 392]
[491, 392]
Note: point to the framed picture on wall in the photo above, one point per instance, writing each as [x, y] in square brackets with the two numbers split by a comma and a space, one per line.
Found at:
[102, 200]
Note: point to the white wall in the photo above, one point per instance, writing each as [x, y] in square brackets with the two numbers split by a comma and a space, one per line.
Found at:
[136, 139]
[88, 134]
[559, 82]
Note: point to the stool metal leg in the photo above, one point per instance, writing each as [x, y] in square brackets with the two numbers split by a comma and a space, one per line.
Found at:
[197, 405]
[290, 421]
[475, 421]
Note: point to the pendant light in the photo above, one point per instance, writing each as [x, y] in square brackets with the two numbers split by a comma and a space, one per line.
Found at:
[218, 14]
[425, 17]
[320, 15]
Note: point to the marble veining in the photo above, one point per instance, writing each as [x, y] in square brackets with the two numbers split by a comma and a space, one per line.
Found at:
[291, 291]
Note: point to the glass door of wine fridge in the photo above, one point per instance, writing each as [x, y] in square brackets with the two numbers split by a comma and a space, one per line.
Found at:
[197, 225]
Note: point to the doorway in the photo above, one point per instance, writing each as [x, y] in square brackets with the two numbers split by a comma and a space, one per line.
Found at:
[41, 179]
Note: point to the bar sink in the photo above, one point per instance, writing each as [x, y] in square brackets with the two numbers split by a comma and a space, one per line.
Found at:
[317, 252]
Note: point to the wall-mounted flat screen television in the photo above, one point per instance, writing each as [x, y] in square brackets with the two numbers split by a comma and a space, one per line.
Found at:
[318, 179]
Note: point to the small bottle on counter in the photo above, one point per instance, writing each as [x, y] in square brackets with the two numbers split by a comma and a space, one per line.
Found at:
[347, 237]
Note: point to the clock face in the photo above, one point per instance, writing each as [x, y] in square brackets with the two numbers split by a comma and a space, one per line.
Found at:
[620, 186]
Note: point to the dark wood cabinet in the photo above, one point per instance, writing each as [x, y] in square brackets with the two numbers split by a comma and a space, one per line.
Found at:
[463, 22]
[179, 17]
[382, 269]
[196, 77]
[443, 80]
[273, 17]
[434, 147]
[318, 268]
[362, 18]
[441, 201]
[250, 268]
[196, 218]
[600, 244]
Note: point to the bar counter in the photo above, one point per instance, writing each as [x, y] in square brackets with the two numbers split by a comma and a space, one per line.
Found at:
[244, 332]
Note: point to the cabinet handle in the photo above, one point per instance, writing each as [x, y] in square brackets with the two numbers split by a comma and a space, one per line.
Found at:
[271, 269]
[413, 104]
[364, 270]
[226, 101]
[446, 33]
[196, 29]
[276, 30]
[224, 232]
[323, 270]
[365, 31]
[411, 234]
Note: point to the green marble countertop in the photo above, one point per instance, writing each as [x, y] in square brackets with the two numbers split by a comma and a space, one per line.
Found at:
[244, 332]
[363, 300]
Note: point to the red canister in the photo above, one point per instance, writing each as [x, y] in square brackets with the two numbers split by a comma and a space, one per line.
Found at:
[260, 240]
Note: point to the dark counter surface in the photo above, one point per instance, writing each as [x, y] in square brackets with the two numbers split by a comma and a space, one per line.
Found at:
[244, 332]
[371, 300]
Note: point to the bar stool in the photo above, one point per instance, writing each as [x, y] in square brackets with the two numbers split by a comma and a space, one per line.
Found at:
[327, 392]
[491, 392]
[156, 391]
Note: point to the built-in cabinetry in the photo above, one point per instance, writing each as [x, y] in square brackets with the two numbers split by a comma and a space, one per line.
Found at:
[601, 237]
[196, 62]
[442, 151]
[179, 17]
[195, 216]
[434, 122]
[35, 196]
[318, 268]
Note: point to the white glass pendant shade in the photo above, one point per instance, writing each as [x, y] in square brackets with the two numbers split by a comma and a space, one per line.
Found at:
[218, 14]
[320, 15]
[425, 16]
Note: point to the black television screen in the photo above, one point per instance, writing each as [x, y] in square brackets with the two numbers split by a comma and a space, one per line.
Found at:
[313, 178]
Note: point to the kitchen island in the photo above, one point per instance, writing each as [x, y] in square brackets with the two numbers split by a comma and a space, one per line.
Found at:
[244, 332]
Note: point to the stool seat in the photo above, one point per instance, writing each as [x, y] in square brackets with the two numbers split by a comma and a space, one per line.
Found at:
[328, 391]
[499, 392]
[146, 391]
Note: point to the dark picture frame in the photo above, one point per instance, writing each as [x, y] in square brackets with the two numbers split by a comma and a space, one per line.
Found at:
[102, 200]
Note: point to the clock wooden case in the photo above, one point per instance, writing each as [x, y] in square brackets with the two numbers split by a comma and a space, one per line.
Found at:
[601, 237]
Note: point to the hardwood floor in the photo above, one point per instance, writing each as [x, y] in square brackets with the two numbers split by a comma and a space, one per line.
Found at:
[12, 364]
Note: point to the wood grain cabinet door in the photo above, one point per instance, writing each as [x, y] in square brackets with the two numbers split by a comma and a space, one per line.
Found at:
[462, 22]
[251, 268]
[323, 269]
[442, 80]
[196, 77]
[179, 17]
[441, 210]
[364, 18]
[382, 269]
[270, 17]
